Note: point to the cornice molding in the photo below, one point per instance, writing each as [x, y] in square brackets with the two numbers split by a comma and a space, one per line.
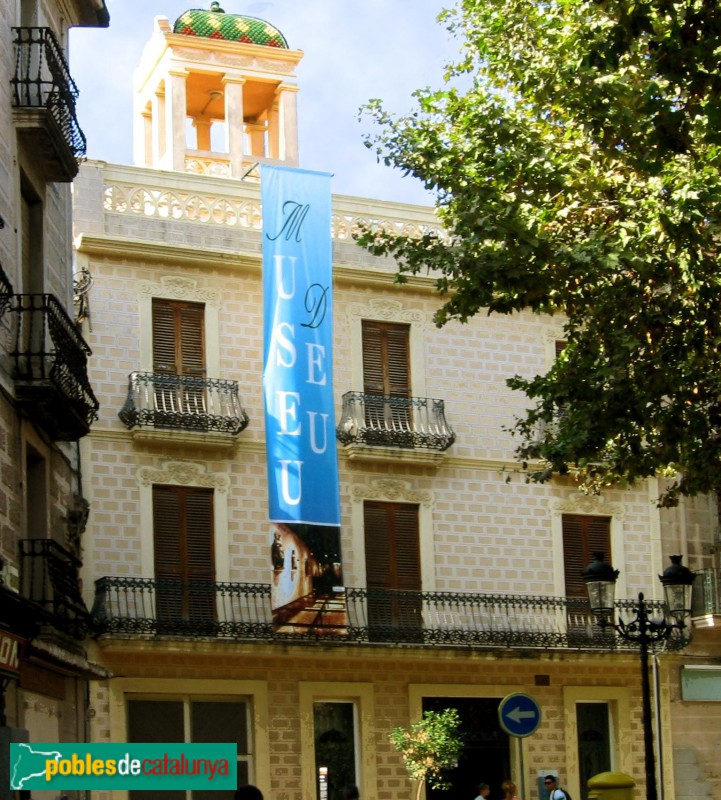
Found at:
[152, 250]
[105, 246]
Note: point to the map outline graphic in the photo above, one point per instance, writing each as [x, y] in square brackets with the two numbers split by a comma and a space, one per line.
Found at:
[18, 784]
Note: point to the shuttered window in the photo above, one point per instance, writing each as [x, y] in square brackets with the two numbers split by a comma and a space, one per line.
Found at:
[178, 346]
[386, 367]
[184, 558]
[386, 372]
[393, 565]
[583, 536]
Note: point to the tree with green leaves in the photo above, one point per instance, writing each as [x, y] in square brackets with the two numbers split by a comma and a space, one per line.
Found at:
[574, 152]
[430, 747]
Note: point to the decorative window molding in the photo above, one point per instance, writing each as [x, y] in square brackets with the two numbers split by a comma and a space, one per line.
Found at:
[361, 695]
[393, 491]
[385, 310]
[185, 473]
[551, 335]
[159, 688]
[622, 736]
[178, 287]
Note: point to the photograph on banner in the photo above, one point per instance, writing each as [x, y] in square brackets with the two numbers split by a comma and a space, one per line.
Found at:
[307, 592]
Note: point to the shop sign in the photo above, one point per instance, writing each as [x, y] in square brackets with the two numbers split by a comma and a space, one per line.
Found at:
[10, 654]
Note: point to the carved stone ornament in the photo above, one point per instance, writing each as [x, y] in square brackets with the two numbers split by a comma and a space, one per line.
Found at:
[586, 504]
[554, 333]
[391, 490]
[174, 287]
[387, 311]
[183, 473]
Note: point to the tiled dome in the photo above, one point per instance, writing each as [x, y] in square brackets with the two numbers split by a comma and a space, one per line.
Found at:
[216, 24]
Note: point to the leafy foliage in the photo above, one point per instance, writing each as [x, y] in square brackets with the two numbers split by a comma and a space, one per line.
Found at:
[430, 747]
[576, 170]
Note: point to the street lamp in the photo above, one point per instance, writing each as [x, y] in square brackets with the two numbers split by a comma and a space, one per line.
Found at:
[600, 579]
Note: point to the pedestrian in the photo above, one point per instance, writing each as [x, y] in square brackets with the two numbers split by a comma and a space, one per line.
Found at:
[350, 792]
[510, 790]
[483, 791]
[554, 790]
[248, 792]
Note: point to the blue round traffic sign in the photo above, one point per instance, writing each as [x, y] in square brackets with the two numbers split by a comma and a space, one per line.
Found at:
[519, 714]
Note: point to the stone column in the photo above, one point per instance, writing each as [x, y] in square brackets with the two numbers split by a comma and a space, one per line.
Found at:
[288, 124]
[256, 136]
[158, 124]
[234, 123]
[175, 116]
[202, 130]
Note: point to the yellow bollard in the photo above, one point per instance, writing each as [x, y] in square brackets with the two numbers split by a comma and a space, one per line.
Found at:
[611, 786]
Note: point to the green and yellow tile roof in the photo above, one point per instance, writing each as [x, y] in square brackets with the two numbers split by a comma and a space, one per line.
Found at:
[216, 24]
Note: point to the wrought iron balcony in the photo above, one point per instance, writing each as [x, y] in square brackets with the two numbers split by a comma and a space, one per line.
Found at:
[409, 422]
[49, 363]
[706, 597]
[241, 611]
[44, 96]
[181, 402]
[50, 577]
[6, 291]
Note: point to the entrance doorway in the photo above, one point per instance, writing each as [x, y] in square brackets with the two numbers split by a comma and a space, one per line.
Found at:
[486, 754]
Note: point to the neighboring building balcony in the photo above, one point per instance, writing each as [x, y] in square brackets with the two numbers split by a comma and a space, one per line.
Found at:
[50, 577]
[43, 98]
[49, 364]
[242, 612]
[6, 290]
[162, 404]
[385, 427]
[706, 599]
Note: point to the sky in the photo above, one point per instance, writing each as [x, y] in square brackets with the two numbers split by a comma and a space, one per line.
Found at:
[353, 51]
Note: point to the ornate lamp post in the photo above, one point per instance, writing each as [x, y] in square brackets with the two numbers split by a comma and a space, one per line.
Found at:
[677, 580]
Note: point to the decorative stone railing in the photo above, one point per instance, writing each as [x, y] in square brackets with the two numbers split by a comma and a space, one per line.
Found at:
[231, 203]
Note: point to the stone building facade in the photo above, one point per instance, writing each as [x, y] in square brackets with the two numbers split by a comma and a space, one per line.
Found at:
[490, 605]
[46, 402]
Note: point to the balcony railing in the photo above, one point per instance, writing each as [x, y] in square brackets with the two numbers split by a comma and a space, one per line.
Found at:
[48, 359]
[240, 611]
[6, 291]
[42, 81]
[706, 597]
[181, 402]
[50, 577]
[412, 422]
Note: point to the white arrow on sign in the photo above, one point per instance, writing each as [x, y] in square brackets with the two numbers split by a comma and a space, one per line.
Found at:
[517, 715]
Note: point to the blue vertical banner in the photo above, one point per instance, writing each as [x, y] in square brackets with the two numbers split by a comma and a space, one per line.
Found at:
[298, 347]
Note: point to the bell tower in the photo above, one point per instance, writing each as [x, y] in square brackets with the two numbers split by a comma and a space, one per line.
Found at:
[215, 94]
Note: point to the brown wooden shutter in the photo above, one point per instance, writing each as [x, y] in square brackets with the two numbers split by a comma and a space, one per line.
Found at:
[393, 567]
[376, 527]
[192, 347]
[386, 368]
[184, 557]
[560, 345]
[178, 345]
[583, 536]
